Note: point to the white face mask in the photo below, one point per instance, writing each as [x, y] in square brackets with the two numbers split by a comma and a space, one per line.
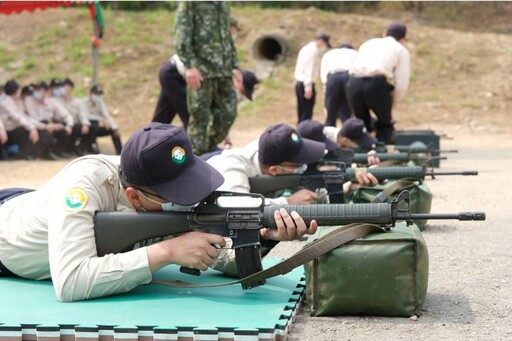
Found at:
[169, 206]
[96, 98]
[37, 95]
[2, 96]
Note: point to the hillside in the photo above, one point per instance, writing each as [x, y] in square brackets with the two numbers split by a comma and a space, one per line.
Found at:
[461, 80]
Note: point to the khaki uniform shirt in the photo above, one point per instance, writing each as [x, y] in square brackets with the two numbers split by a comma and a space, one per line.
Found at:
[237, 165]
[13, 117]
[49, 233]
[98, 112]
[76, 108]
[49, 110]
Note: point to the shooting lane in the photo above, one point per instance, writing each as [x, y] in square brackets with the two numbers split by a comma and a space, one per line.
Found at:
[154, 312]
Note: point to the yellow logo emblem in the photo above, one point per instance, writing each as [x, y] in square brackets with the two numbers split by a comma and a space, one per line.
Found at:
[76, 199]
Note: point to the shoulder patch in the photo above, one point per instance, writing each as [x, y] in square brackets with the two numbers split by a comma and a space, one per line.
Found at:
[76, 199]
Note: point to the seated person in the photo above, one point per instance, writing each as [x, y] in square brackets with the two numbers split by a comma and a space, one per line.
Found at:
[31, 136]
[48, 233]
[55, 119]
[102, 124]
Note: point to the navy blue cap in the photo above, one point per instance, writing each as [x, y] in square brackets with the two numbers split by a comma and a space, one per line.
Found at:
[326, 38]
[249, 80]
[96, 89]
[282, 143]
[396, 30]
[159, 157]
[355, 130]
[314, 130]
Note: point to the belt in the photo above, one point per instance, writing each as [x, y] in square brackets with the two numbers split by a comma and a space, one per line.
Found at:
[336, 71]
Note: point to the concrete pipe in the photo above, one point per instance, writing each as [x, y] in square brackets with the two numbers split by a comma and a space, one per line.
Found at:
[270, 47]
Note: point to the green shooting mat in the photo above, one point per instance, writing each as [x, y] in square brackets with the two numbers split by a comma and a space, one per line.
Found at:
[30, 310]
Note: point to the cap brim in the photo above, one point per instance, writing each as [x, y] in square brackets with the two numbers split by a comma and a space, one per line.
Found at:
[248, 93]
[195, 184]
[331, 145]
[367, 141]
[310, 151]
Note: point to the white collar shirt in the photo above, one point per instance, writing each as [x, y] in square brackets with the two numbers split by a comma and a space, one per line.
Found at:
[336, 60]
[306, 68]
[384, 57]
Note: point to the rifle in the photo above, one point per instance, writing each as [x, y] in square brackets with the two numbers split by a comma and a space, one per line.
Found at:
[223, 214]
[313, 178]
[415, 148]
[349, 156]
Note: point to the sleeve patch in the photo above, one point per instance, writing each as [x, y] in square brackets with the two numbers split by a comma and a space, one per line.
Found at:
[76, 200]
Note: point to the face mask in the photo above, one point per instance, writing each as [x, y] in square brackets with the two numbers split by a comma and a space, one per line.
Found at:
[300, 169]
[96, 98]
[169, 206]
[2, 96]
[37, 95]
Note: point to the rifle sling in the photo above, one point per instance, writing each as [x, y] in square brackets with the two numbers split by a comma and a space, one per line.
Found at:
[313, 250]
[385, 193]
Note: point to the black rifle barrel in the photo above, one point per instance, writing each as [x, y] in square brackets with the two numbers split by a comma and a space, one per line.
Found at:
[465, 173]
[342, 214]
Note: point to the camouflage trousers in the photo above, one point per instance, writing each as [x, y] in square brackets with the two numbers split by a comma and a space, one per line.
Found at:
[212, 110]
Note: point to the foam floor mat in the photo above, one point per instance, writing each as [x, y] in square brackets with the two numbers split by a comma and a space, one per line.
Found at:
[31, 311]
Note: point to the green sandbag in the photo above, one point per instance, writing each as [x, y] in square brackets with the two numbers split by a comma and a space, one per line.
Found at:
[383, 274]
[420, 194]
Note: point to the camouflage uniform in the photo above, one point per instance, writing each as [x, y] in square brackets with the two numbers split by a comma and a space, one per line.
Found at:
[203, 41]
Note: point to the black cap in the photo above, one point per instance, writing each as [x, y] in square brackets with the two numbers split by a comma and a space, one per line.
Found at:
[355, 130]
[282, 143]
[10, 87]
[27, 90]
[346, 46]
[69, 82]
[314, 130]
[396, 30]
[326, 38]
[56, 82]
[41, 85]
[249, 80]
[97, 90]
[159, 157]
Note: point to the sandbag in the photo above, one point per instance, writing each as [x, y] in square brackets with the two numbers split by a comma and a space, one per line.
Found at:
[420, 195]
[383, 274]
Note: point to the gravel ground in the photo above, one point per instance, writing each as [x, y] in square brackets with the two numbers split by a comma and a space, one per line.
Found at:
[469, 293]
[469, 290]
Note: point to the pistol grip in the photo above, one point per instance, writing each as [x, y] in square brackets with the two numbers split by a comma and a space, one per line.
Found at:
[189, 271]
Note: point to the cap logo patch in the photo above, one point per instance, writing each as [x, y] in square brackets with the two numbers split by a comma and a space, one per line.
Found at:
[76, 199]
[295, 138]
[178, 155]
[364, 130]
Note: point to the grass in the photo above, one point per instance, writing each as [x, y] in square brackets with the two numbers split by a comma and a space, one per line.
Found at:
[447, 65]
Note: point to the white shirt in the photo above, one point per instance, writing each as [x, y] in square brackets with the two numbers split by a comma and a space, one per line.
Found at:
[179, 65]
[384, 57]
[237, 165]
[13, 117]
[98, 111]
[42, 234]
[306, 68]
[336, 60]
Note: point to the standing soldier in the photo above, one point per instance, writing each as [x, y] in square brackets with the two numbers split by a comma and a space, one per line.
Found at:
[306, 72]
[208, 52]
[379, 79]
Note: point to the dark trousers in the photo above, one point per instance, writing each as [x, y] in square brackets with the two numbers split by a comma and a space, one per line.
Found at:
[304, 106]
[336, 102]
[87, 141]
[173, 96]
[27, 149]
[6, 194]
[373, 93]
